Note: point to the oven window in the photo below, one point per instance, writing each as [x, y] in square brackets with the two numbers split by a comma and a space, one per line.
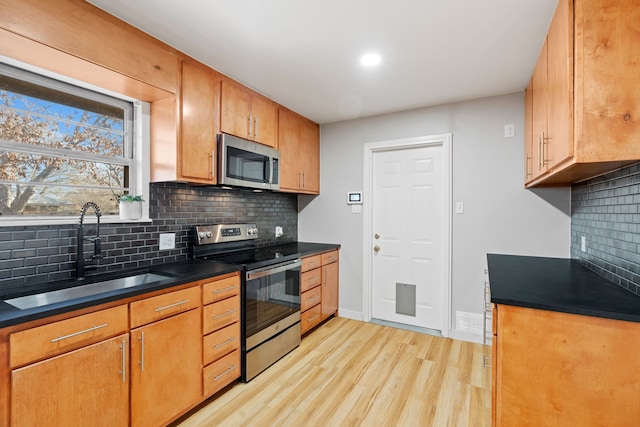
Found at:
[247, 166]
[270, 299]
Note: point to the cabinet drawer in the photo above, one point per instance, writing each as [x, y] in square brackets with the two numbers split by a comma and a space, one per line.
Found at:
[221, 314]
[161, 306]
[220, 289]
[310, 279]
[66, 335]
[329, 257]
[221, 342]
[310, 318]
[311, 262]
[221, 373]
[310, 298]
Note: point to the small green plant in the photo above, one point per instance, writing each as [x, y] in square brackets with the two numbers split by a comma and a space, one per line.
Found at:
[128, 198]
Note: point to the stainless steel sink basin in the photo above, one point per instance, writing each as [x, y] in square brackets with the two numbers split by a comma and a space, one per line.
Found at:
[51, 297]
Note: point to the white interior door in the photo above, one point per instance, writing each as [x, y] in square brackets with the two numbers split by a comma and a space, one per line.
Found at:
[409, 235]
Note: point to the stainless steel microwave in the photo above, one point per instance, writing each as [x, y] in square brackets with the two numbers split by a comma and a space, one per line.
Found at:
[244, 163]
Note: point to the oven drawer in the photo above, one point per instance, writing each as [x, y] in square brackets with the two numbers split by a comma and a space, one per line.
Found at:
[221, 342]
[310, 319]
[311, 262]
[310, 279]
[310, 298]
[221, 314]
[221, 373]
[220, 289]
[60, 337]
[329, 257]
[159, 307]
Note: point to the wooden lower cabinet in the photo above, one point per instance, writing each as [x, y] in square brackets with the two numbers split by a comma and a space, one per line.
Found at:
[318, 289]
[166, 367]
[560, 369]
[88, 386]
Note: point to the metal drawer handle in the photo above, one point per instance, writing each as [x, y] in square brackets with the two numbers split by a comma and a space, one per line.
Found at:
[313, 298]
[123, 347]
[91, 329]
[217, 291]
[217, 377]
[172, 305]
[224, 314]
[222, 344]
[311, 319]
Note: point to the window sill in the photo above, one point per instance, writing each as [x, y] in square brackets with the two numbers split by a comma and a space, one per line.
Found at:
[90, 219]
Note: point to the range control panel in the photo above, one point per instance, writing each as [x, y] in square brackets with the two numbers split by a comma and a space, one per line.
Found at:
[220, 233]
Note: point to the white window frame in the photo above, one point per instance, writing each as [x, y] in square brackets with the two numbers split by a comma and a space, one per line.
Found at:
[140, 164]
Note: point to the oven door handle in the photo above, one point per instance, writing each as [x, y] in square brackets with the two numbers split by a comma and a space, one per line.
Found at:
[266, 271]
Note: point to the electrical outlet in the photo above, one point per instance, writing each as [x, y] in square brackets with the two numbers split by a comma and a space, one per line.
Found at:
[279, 231]
[583, 243]
[167, 241]
[509, 131]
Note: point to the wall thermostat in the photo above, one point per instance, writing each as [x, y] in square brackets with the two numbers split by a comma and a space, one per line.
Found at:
[354, 198]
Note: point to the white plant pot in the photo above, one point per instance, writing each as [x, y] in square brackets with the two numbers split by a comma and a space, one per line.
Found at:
[130, 210]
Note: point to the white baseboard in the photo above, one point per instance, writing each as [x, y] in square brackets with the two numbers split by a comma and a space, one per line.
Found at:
[350, 314]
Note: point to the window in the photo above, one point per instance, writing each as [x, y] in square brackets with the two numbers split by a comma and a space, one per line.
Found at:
[62, 145]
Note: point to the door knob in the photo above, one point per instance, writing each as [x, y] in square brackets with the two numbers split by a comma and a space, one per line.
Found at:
[376, 248]
[376, 236]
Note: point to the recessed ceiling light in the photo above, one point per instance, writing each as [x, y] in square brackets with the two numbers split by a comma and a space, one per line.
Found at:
[370, 59]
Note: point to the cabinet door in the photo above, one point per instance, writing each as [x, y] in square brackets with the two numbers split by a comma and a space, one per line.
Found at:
[539, 113]
[289, 137]
[166, 367]
[329, 290]
[235, 110]
[200, 99]
[310, 139]
[528, 133]
[560, 85]
[85, 386]
[264, 116]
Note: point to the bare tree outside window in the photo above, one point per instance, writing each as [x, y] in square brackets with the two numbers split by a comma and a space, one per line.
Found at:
[60, 146]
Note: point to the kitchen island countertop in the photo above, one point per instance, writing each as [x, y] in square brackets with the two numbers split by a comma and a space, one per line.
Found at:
[558, 284]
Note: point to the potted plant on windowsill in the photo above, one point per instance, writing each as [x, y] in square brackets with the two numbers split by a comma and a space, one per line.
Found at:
[130, 206]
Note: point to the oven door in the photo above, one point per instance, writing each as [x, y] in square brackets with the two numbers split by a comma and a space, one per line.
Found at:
[272, 295]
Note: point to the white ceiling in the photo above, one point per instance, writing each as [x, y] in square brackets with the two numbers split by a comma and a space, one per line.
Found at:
[304, 54]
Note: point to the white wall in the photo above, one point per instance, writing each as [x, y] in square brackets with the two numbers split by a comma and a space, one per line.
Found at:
[500, 216]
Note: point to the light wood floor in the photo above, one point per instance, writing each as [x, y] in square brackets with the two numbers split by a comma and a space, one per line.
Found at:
[351, 373]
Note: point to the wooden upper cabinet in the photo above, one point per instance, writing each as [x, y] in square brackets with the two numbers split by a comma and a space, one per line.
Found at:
[247, 114]
[592, 116]
[183, 133]
[199, 114]
[84, 31]
[299, 145]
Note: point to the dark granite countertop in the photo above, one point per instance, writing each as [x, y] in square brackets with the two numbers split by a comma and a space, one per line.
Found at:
[558, 284]
[181, 272]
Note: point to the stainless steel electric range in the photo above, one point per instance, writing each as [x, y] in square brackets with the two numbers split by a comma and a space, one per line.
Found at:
[270, 291]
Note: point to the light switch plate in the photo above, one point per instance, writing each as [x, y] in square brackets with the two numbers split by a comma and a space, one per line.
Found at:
[167, 241]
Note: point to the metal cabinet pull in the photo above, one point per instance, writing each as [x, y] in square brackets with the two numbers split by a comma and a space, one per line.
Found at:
[123, 347]
[218, 291]
[141, 362]
[313, 298]
[249, 127]
[222, 344]
[539, 153]
[172, 305]
[311, 319]
[217, 377]
[224, 314]
[75, 334]
[255, 128]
